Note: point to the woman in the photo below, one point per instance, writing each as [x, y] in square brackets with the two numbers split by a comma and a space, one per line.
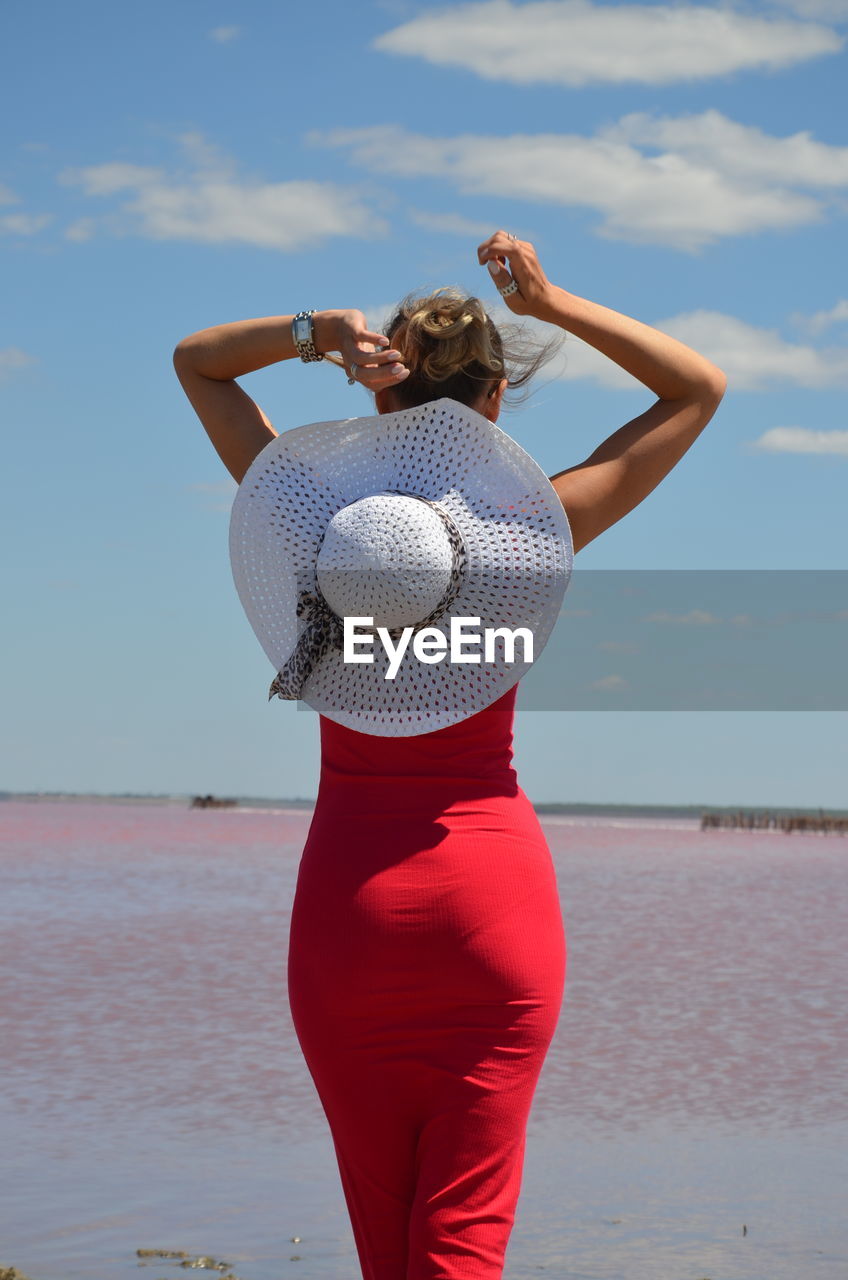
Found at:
[426, 960]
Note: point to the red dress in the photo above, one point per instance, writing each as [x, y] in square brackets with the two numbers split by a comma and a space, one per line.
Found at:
[426, 970]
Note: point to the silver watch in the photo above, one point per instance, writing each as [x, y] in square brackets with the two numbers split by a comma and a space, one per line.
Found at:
[303, 334]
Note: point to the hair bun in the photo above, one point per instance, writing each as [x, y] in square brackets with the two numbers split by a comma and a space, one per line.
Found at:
[444, 316]
[444, 333]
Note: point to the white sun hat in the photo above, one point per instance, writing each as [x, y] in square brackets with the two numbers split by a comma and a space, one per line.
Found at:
[414, 519]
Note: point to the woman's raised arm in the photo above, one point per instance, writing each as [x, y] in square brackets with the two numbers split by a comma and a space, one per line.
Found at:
[208, 362]
[624, 469]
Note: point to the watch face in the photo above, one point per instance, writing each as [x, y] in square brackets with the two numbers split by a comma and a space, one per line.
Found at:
[302, 330]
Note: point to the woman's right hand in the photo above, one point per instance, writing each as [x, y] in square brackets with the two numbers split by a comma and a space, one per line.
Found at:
[509, 259]
[367, 356]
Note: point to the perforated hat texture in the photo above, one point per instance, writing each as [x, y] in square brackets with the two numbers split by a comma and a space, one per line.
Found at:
[387, 557]
[331, 505]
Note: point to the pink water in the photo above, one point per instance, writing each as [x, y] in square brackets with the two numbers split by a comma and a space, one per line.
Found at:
[154, 1095]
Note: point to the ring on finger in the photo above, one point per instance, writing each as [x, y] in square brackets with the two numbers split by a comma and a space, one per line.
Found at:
[508, 289]
[351, 377]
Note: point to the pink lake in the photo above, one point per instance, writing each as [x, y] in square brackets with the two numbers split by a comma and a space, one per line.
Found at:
[154, 1095]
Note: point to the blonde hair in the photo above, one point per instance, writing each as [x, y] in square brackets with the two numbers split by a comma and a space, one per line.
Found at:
[452, 348]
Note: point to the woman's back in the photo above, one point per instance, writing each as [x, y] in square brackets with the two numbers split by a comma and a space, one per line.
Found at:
[474, 753]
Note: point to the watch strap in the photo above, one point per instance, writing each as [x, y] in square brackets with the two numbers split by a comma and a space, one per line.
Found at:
[305, 345]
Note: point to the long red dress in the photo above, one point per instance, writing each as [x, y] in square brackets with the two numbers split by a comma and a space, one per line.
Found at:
[426, 971]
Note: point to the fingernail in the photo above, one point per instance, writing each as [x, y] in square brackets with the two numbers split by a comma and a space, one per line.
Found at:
[493, 268]
[396, 368]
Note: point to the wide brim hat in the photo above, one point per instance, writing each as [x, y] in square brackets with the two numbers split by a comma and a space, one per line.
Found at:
[449, 509]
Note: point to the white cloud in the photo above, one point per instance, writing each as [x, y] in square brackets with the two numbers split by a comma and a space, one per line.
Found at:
[822, 320]
[753, 358]
[19, 224]
[81, 230]
[575, 42]
[24, 224]
[212, 204]
[694, 618]
[107, 179]
[205, 157]
[214, 497]
[452, 224]
[826, 10]
[803, 440]
[756, 359]
[223, 35]
[681, 182]
[609, 682]
[11, 360]
[738, 151]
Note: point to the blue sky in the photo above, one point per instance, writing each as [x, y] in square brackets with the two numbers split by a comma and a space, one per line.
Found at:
[166, 168]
